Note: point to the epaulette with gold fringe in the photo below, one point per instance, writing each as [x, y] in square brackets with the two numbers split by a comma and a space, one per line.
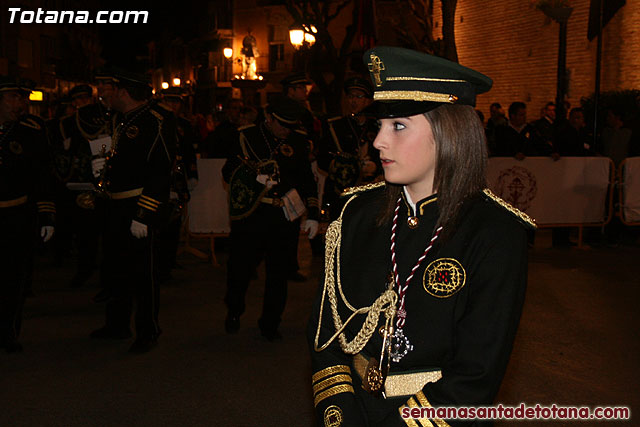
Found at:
[361, 188]
[514, 211]
[31, 123]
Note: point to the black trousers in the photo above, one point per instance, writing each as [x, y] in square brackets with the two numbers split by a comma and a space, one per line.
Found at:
[264, 233]
[16, 238]
[168, 240]
[129, 275]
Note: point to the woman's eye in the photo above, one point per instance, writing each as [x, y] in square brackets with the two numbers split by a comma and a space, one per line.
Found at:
[398, 126]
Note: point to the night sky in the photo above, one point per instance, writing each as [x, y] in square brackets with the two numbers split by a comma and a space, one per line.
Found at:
[123, 42]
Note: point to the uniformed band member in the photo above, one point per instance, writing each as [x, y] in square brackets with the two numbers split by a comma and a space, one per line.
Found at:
[295, 87]
[79, 210]
[135, 179]
[24, 190]
[346, 154]
[435, 263]
[184, 180]
[270, 184]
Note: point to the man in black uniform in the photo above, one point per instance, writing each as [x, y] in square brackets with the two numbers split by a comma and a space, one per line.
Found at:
[184, 180]
[270, 182]
[24, 183]
[294, 87]
[346, 154]
[135, 178]
[70, 137]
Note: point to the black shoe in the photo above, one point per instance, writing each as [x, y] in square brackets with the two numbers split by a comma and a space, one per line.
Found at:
[271, 334]
[12, 346]
[143, 345]
[106, 333]
[232, 324]
[297, 277]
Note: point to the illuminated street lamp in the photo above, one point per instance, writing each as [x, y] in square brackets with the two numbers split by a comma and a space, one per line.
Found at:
[296, 36]
[165, 85]
[36, 95]
[227, 52]
[302, 35]
[176, 81]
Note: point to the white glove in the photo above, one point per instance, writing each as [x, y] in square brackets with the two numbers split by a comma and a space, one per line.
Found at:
[46, 231]
[138, 229]
[264, 180]
[191, 184]
[310, 226]
[97, 165]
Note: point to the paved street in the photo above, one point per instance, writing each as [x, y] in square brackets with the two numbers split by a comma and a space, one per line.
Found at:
[578, 344]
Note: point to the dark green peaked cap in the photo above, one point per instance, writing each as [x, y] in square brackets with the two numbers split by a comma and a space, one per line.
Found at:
[408, 82]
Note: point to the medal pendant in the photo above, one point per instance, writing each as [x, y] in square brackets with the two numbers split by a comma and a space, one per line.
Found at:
[400, 345]
[413, 222]
[373, 380]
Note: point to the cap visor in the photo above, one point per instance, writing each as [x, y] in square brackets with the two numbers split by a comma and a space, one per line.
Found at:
[389, 109]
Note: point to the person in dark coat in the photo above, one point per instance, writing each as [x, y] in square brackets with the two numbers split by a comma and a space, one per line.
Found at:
[425, 273]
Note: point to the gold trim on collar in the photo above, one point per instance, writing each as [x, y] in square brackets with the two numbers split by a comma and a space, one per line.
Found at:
[414, 95]
[424, 79]
[425, 204]
[517, 212]
[362, 188]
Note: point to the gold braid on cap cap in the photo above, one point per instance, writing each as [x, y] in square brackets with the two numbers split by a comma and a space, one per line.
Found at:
[414, 95]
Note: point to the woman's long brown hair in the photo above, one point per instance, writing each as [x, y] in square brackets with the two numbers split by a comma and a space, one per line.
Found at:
[461, 159]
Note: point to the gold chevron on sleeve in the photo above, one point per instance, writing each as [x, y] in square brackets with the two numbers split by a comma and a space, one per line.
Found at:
[331, 381]
[342, 388]
[422, 399]
[146, 205]
[331, 370]
[149, 200]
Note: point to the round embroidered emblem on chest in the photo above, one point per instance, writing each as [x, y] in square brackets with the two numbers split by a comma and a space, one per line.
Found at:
[132, 132]
[15, 148]
[443, 277]
[286, 150]
[333, 416]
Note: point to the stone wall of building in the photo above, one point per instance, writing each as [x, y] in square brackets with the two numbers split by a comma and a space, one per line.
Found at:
[517, 46]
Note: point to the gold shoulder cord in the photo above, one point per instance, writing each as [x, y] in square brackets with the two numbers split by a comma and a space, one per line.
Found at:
[385, 303]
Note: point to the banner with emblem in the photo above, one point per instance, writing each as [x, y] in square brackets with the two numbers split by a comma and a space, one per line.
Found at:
[572, 190]
[630, 194]
[208, 210]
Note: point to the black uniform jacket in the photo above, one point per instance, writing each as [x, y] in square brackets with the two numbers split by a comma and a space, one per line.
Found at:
[463, 305]
[257, 144]
[25, 169]
[144, 147]
[187, 144]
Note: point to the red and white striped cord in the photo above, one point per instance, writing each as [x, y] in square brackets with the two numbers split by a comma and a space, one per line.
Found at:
[402, 290]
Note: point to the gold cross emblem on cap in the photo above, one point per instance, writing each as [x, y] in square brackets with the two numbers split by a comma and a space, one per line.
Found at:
[375, 66]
